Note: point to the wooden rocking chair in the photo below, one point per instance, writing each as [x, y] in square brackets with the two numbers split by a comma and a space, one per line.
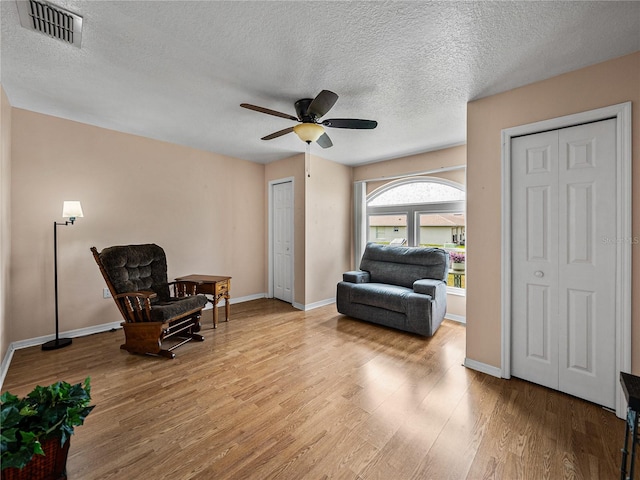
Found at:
[155, 311]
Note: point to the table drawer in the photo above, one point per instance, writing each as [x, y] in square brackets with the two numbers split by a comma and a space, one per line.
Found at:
[222, 288]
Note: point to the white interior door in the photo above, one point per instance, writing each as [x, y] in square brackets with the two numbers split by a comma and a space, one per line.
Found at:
[534, 205]
[283, 241]
[563, 270]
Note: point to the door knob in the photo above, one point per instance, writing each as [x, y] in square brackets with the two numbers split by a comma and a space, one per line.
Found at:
[539, 274]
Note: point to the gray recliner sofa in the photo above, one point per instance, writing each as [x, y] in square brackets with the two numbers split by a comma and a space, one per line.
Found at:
[400, 287]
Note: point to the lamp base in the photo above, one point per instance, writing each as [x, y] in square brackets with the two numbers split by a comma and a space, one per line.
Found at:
[57, 343]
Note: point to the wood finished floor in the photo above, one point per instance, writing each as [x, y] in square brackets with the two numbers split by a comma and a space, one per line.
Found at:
[284, 394]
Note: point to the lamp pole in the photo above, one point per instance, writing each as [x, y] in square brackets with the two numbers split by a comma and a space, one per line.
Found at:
[67, 211]
[58, 342]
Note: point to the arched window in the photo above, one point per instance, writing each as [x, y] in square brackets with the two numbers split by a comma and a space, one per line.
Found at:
[407, 192]
[424, 211]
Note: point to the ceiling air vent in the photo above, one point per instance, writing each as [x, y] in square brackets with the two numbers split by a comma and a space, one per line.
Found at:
[51, 20]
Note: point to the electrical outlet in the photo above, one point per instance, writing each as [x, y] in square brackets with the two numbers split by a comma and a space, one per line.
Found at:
[106, 293]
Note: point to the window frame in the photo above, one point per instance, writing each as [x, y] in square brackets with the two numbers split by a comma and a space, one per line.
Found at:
[414, 210]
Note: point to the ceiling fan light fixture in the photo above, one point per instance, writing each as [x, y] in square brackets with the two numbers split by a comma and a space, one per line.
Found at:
[308, 132]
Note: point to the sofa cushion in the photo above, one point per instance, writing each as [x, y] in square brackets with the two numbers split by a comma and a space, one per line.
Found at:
[404, 265]
[390, 297]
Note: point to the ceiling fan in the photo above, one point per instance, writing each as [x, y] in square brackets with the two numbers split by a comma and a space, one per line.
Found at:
[309, 111]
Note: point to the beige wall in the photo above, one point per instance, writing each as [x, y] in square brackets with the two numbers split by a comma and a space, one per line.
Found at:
[202, 208]
[445, 159]
[328, 228]
[322, 224]
[5, 218]
[456, 305]
[292, 167]
[140, 190]
[207, 211]
[429, 161]
[612, 82]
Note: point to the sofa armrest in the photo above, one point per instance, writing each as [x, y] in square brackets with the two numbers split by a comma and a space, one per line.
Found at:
[356, 276]
[429, 286]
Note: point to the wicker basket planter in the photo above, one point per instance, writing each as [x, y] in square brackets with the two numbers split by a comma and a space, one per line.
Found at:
[41, 423]
[50, 466]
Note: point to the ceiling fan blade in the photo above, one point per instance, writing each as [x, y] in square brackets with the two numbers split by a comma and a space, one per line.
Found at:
[268, 111]
[322, 103]
[324, 141]
[350, 123]
[277, 134]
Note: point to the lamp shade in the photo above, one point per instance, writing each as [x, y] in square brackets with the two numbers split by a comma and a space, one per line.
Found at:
[72, 209]
[308, 132]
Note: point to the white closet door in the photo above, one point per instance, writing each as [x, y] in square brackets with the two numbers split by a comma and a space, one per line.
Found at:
[563, 278]
[587, 158]
[535, 258]
[283, 241]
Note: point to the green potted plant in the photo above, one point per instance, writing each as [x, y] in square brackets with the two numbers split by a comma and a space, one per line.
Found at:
[35, 429]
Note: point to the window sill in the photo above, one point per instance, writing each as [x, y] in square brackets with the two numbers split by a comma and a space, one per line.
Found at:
[460, 292]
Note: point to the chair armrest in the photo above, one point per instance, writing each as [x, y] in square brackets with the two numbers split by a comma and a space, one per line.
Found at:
[137, 305]
[182, 288]
[356, 276]
[429, 286]
[140, 294]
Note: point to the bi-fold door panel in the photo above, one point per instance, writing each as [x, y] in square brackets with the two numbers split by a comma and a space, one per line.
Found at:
[534, 259]
[563, 274]
[587, 185]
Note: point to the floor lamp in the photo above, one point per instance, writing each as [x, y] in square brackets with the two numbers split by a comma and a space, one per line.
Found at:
[70, 210]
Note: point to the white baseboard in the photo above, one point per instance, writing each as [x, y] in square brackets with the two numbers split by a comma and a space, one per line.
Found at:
[311, 306]
[246, 298]
[32, 342]
[456, 318]
[483, 367]
[6, 361]
[82, 332]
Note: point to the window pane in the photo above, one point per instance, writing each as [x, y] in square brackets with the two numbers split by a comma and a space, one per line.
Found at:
[433, 215]
[418, 192]
[384, 229]
[446, 230]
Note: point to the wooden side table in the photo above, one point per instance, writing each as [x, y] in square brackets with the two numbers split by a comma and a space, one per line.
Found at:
[217, 286]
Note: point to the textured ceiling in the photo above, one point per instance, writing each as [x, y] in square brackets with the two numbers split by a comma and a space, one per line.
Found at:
[178, 70]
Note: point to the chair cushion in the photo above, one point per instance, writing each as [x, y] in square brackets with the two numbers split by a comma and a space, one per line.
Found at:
[163, 311]
[389, 297]
[133, 268]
